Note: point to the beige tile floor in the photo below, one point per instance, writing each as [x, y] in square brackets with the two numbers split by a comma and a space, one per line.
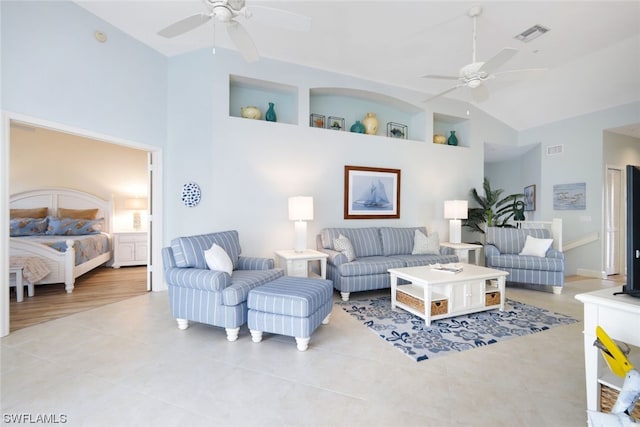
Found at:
[128, 364]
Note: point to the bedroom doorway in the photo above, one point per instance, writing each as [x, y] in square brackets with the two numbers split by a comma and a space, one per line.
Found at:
[152, 179]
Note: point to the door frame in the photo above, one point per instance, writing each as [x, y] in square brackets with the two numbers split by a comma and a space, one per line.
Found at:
[621, 208]
[154, 266]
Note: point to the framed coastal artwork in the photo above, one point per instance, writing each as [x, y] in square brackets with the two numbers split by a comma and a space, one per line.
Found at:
[530, 198]
[570, 196]
[371, 193]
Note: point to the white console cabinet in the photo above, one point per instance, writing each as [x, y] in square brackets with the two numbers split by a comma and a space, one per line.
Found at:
[129, 248]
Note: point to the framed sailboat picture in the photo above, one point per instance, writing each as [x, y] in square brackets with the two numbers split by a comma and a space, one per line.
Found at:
[371, 193]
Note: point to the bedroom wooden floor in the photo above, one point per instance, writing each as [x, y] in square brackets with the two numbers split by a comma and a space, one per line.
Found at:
[99, 287]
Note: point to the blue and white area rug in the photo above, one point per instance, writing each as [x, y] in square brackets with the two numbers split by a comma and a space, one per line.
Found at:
[409, 334]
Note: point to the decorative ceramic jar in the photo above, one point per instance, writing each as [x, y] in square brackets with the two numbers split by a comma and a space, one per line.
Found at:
[370, 123]
[270, 115]
[357, 127]
[439, 139]
[251, 112]
[453, 139]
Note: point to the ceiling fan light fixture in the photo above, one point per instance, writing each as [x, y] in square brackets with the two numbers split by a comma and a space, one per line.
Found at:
[531, 33]
[474, 83]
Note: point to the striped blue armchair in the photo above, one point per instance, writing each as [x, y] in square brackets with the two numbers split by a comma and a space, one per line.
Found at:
[217, 298]
[502, 252]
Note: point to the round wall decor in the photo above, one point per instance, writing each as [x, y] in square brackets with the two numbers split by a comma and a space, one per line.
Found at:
[191, 194]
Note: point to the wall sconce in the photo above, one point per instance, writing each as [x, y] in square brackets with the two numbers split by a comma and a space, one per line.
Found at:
[136, 205]
[300, 210]
[455, 211]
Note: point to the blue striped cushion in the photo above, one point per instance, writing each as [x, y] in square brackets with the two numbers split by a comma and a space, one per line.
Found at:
[365, 241]
[526, 262]
[299, 327]
[398, 241]
[243, 281]
[369, 265]
[511, 240]
[189, 251]
[291, 296]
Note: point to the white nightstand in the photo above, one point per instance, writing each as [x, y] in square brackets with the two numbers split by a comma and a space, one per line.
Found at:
[462, 251]
[129, 248]
[297, 263]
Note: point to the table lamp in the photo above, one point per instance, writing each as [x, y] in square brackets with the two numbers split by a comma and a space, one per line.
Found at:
[300, 210]
[455, 211]
[136, 205]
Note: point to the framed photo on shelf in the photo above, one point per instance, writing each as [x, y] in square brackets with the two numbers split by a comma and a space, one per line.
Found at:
[396, 130]
[317, 121]
[371, 193]
[530, 198]
[335, 123]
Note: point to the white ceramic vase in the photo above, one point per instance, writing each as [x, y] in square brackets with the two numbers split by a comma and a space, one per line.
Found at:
[370, 123]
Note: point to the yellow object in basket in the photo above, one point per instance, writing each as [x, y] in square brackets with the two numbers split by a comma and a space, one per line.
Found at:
[615, 358]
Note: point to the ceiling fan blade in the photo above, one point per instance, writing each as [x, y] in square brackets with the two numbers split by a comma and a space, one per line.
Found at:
[500, 58]
[528, 73]
[281, 18]
[451, 89]
[241, 38]
[481, 93]
[441, 77]
[184, 25]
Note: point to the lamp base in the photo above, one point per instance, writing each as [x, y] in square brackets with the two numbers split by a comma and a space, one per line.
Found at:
[300, 228]
[455, 231]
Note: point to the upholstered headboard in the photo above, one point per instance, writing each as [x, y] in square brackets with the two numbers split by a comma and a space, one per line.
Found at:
[54, 198]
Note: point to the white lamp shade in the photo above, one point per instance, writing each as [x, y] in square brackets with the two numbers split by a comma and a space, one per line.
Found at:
[455, 209]
[136, 204]
[301, 208]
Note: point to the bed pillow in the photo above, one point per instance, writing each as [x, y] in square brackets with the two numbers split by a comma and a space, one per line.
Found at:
[20, 227]
[426, 245]
[536, 247]
[217, 259]
[73, 227]
[77, 213]
[29, 213]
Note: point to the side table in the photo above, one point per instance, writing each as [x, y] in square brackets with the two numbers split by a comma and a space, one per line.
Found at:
[297, 263]
[462, 251]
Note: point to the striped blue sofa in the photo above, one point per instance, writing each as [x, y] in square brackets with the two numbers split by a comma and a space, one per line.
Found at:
[377, 249]
[502, 248]
[208, 296]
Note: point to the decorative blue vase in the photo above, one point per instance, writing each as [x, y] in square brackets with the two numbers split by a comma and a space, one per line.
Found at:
[453, 139]
[357, 127]
[270, 115]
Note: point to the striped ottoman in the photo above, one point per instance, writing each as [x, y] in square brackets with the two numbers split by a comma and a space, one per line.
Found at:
[292, 306]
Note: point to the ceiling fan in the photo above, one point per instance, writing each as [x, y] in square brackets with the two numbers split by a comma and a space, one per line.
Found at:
[226, 12]
[475, 74]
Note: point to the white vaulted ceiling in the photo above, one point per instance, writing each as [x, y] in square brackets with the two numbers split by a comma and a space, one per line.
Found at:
[592, 50]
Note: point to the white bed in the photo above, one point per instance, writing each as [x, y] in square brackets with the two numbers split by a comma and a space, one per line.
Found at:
[61, 264]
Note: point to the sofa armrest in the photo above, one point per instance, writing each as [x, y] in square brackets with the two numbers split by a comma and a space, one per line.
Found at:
[553, 253]
[491, 250]
[335, 257]
[255, 263]
[197, 278]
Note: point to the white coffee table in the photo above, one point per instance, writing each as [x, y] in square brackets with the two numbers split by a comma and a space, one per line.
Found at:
[436, 294]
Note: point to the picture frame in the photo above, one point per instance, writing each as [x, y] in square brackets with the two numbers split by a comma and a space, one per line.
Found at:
[317, 121]
[571, 197]
[397, 130]
[335, 123]
[371, 193]
[530, 198]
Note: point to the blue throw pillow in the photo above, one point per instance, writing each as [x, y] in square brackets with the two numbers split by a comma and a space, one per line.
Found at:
[73, 227]
[20, 227]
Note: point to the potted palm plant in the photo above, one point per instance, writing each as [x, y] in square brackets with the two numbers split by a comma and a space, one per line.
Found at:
[494, 210]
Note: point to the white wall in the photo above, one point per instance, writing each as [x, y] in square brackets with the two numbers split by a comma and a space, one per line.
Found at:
[45, 158]
[247, 169]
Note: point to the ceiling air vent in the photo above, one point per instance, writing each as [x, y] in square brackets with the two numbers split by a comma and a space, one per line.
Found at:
[531, 33]
[552, 150]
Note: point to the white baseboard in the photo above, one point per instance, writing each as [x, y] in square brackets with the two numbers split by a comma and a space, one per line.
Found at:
[591, 273]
